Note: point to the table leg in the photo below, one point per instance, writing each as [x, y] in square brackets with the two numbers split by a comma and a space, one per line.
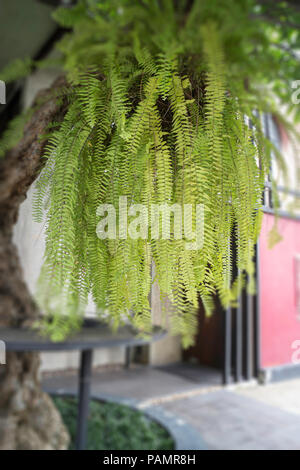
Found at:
[127, 357]
[84, 389]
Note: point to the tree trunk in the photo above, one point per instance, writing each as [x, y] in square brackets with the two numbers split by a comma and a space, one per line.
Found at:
[28, 417]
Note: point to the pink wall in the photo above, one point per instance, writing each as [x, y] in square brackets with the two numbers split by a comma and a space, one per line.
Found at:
[279, 292]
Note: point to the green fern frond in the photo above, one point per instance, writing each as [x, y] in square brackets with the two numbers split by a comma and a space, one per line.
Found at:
[160, 113]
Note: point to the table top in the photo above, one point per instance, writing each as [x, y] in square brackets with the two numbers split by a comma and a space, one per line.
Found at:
[93, 335]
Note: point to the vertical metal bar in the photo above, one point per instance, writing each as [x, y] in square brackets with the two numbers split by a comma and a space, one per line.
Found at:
[227, 340]
[239, 341]
[249, 337]
[84, 389]
[257, 315]
[239, 336]
[227, 346]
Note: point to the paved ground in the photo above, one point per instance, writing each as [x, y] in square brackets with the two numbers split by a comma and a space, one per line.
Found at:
[228, 420]
[244, 417]
[284, 395]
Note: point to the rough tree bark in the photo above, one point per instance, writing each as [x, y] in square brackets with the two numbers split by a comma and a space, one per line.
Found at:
[28, 418]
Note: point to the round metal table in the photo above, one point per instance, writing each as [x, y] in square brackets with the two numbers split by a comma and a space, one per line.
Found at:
[93, 335]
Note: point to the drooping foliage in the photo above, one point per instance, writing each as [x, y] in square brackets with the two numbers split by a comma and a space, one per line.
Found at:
[164, 108]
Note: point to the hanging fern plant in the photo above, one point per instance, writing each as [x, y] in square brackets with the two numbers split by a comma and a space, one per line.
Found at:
[164, 101]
